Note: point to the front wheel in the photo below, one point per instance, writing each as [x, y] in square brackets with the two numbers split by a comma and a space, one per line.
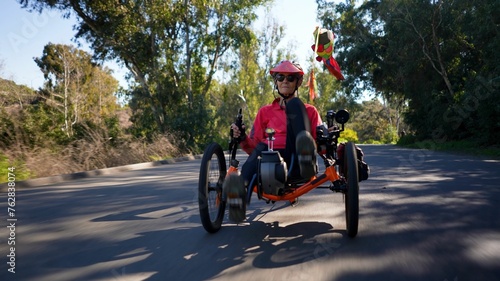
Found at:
[212, 174]
[352, 193]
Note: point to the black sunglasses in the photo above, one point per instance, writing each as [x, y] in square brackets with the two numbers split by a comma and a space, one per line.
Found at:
[289, 78]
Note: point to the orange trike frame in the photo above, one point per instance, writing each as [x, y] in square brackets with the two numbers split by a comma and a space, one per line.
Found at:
[330, 174]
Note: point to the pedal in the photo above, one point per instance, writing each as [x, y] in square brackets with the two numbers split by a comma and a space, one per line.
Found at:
[337, 186]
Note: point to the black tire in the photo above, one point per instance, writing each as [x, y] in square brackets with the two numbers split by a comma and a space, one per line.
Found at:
[212, 174]
[352, 193]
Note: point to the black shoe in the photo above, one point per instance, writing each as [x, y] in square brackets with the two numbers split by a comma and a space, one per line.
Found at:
[234, 187]
[306, 154]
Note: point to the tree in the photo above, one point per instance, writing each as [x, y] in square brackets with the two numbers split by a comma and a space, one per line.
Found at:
[331, 95]
[427, 54]
[78, 87]
[12, 94]
[373, 122]
[249, 85]
[172, 48]
[269, 38]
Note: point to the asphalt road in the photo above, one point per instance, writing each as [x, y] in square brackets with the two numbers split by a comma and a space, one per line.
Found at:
[424, 215]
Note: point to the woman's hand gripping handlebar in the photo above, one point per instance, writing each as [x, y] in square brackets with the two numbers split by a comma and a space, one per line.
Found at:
[238, 129]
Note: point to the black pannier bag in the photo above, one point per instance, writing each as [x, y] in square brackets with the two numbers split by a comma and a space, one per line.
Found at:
[363, 168]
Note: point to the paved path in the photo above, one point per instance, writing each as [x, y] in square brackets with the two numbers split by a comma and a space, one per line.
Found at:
[424, 215]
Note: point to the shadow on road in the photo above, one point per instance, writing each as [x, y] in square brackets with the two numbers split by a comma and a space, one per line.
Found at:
[423, 216]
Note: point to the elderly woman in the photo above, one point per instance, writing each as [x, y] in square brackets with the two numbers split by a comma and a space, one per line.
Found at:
[292, 121]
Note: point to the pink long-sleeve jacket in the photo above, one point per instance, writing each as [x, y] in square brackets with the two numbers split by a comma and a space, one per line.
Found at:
[274, 116]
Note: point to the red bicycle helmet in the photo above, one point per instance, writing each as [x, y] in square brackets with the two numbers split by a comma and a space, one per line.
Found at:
[287, 66]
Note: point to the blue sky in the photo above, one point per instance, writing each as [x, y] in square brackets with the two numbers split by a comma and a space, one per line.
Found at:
[23, 36]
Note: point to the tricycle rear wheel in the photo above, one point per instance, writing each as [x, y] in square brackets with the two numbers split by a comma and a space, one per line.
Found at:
[212, 175]
[352, 193]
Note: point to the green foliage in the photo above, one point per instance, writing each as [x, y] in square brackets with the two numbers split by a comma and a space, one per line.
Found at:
[7, 134]
[113, 128]
[12, 95]
[375, 121]
[20, 170]
[249, 85]
[433, 66]
[171, 49]
[437, 58]
[40, 123]
[372, 141]
[407, 140]
[390, 136]
[75, 86]
[331, 95]
[348, 135]
[33, 125]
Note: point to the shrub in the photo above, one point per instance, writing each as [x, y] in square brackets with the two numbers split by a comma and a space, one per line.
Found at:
[348, 135]
[21, 172]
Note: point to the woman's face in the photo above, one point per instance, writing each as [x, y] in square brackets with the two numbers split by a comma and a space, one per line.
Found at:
[287, 84]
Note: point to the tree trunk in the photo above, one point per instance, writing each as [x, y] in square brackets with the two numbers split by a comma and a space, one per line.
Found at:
[441, 70]
[188, 56]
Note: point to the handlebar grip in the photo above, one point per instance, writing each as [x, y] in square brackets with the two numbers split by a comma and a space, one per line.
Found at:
[239, 123]
[330, 115]
[239, 119]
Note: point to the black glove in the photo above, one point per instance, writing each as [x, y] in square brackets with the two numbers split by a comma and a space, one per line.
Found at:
[241, 127]
[239, 123]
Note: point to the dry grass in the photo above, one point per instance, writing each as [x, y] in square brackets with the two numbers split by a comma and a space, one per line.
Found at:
[95, 152]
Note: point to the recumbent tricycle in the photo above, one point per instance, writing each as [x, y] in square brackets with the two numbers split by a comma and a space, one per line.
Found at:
[344, 169]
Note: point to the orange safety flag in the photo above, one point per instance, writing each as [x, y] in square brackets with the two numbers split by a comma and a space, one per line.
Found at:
[311, 83]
